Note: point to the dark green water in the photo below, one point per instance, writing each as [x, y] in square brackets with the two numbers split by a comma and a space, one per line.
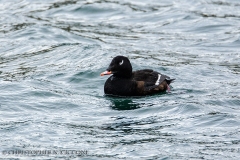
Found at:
[51, 95]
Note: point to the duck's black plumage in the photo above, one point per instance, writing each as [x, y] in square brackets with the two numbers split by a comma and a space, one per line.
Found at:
[125, 82]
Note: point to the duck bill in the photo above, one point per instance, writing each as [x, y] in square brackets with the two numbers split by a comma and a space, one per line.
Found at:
[105, 73]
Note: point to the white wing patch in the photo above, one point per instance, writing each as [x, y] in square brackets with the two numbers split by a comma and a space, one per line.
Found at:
[121, 63]
[157, 82]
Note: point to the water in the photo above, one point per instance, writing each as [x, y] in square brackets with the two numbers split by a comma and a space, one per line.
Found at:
[51, 56]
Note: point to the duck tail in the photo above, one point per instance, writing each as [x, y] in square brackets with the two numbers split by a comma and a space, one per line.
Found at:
[169, 81]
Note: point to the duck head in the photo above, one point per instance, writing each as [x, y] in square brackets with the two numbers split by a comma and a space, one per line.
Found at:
[119, 67]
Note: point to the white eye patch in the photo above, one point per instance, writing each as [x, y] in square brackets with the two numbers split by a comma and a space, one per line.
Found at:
[120, 63]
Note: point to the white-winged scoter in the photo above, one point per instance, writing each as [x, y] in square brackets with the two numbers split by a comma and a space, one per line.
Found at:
[125, 82]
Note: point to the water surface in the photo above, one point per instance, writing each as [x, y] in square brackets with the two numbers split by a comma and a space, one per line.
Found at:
[51, 56]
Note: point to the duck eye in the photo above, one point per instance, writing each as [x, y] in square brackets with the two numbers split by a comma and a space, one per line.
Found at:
[120, 63]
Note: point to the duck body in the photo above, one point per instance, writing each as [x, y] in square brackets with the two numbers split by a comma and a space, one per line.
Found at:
[124, 82]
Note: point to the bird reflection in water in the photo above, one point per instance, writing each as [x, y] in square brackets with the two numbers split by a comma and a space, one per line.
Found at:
[123, 104]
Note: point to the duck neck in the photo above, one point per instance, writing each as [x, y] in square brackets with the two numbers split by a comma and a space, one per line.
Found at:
[125, 75]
